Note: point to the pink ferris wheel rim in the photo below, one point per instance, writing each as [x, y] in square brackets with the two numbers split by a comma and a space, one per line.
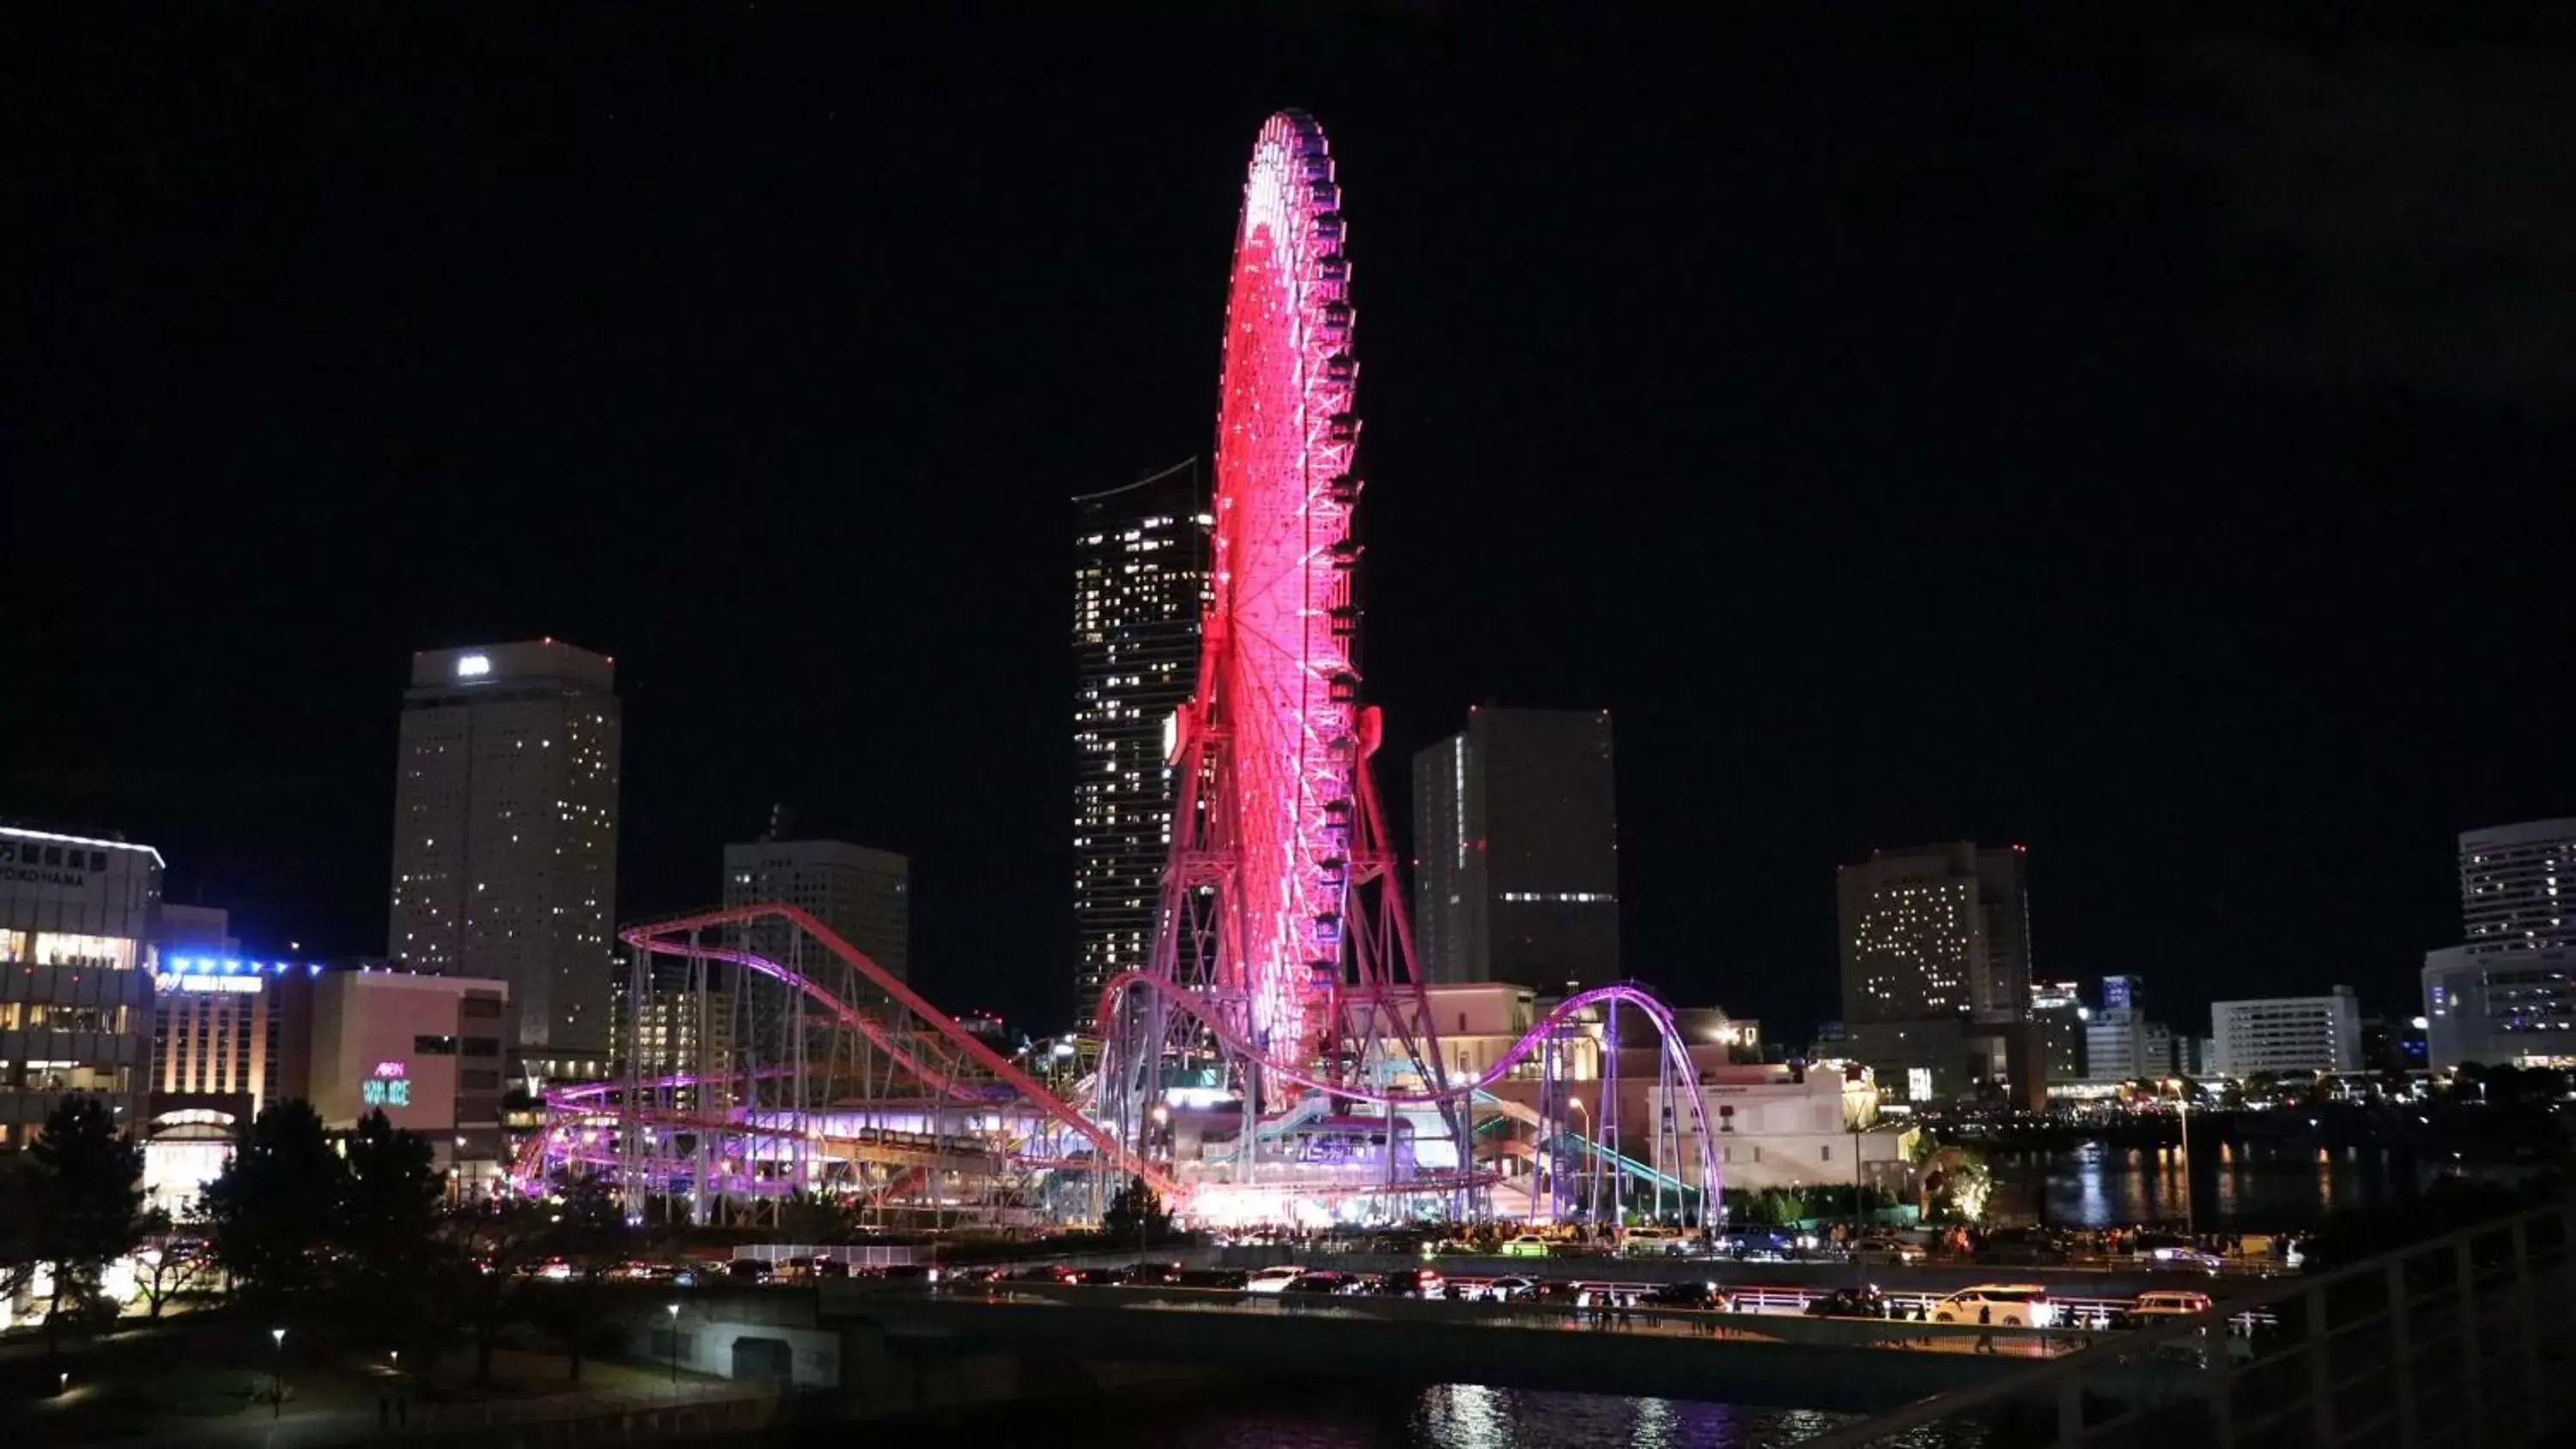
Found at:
[1284, 696]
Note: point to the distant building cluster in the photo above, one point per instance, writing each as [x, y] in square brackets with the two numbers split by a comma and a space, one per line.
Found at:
[502, 967]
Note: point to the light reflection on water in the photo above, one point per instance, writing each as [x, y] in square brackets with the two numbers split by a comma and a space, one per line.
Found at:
[1450, 1416]
[2256, 1186]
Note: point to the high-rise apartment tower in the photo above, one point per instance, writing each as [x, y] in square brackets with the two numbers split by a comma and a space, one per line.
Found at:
[1140, 585]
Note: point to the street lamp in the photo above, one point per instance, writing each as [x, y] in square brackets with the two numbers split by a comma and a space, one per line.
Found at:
[675, 1347]
[277, 1374]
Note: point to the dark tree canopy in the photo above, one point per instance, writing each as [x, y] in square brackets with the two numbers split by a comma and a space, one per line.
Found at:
[270, 1213]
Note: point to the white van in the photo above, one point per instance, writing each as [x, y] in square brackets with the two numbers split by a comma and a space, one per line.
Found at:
[2000, 1305]
[1274, 1279]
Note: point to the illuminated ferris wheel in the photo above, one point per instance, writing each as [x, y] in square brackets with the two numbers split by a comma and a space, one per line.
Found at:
[1279, 922]
[1283, 959]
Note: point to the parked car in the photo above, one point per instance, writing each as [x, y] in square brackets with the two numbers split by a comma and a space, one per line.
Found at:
[1849, 1303]
[1527, 1245]
[747, 1270]
[2165, 1253]
[2024, 1247]
[2003, 1305]
[2168, 1303]
[1687, 1295]
[1101, 1277]
[830, 1268]
[1273, 1280]
[1654, 1242]
[973, 1273]
[1508, 1288]
[1886, 1250]
[1229, 1280]
[1045, 1273]
[1153, 1275]
[1412, 1283]
[1327, 1285]
[911, 1274]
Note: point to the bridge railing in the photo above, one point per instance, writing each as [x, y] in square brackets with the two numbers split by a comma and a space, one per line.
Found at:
[2456, 1340]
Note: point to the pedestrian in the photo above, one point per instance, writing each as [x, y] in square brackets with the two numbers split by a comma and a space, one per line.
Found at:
[1986, 1323]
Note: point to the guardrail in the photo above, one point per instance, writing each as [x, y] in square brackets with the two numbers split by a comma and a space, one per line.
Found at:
[2447, 1341]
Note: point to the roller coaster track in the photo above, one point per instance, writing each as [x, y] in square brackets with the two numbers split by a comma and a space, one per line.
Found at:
[673, 938]
[1621, 993]
[654, 937]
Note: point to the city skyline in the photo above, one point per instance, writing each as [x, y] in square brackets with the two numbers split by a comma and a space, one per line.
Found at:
[1635, 485]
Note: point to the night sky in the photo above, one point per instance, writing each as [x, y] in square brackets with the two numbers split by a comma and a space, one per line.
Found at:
[2152, 447]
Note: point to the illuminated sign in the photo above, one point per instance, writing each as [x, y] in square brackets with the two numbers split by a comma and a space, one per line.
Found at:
[206, 985]
[389, 1087]
[1918, 1083]
[473, 666]
[199, 973]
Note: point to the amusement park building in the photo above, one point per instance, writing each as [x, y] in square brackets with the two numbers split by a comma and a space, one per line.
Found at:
[78, 923]
[1516, 840]
[1140, 585]
[1784, 1126]
[505, 832]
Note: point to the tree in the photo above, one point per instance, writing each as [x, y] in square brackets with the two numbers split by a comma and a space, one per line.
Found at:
[387, 1210]
[18, 1197]
[1136, 1213]
[88, 1201]
[479, 1266]
[270, 1212]
[589, 1233]
[811, 1218]
[166, 1270]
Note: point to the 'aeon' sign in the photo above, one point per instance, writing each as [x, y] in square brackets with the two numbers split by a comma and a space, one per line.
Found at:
[389, 1087]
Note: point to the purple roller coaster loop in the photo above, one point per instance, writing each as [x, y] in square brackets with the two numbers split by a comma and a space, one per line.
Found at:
[1685, 1073]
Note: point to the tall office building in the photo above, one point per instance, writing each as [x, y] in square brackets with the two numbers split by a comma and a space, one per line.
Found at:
[2510, 879]
[1935, 931]
[1140, 586]
[863, 896]
[505, 836]
[1516, 834]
